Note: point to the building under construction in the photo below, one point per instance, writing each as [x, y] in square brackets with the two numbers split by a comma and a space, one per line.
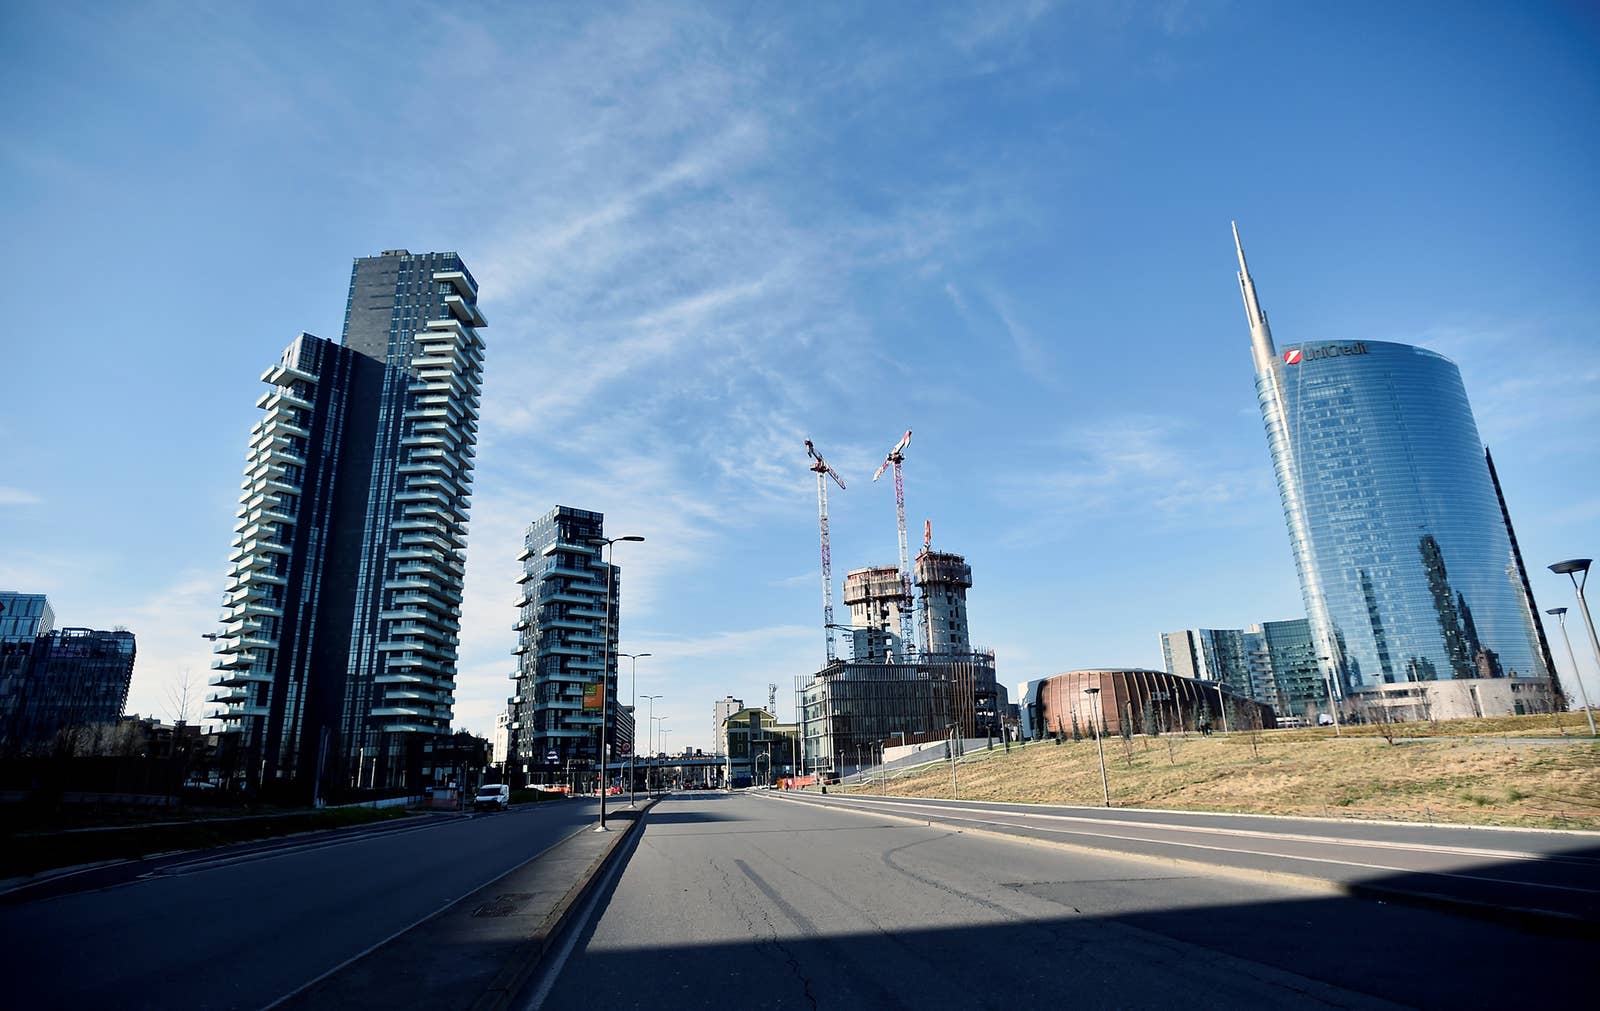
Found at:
[944, 579]
[876, 597]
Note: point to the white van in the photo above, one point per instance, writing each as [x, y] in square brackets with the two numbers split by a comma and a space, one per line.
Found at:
[492, 797]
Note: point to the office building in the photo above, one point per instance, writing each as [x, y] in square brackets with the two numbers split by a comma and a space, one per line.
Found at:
[60, 683]
[1404, 555]
[339, 634]
[1297, 687]
[758, 748]
[24, 616]
[563, 649]
[720, 711]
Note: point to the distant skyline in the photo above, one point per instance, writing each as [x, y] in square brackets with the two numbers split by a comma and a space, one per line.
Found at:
[706, 234]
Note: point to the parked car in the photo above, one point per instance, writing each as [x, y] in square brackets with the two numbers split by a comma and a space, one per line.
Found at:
[492, 797]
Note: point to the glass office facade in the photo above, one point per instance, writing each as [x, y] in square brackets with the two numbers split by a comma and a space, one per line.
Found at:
[1405, 563]
[24, 616]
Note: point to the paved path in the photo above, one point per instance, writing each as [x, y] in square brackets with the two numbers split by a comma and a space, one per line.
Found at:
[745, 901]
[242, 927]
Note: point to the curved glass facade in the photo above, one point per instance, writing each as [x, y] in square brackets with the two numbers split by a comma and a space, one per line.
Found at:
[1404, 559]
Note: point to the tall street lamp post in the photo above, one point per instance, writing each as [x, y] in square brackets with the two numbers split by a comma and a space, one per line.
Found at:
[605, 667]
[1571, 568]
[649, 735]
[633, 749]
[664, 733]
[1327, 678]
[1572, 658]
[1099, 740]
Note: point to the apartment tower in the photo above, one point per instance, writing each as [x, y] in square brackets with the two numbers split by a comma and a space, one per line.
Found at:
[338, 641]
[565, 650]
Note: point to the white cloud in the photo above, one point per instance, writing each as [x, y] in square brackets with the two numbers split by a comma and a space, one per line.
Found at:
[18, 497]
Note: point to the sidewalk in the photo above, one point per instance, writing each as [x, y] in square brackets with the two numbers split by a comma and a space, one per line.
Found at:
[481, 951]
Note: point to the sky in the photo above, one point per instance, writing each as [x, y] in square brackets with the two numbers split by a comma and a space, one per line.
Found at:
[706, 233]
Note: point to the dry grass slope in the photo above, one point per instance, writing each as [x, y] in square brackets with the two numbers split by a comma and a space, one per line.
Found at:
[1483, 772]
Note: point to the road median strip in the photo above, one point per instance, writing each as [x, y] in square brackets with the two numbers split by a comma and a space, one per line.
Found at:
[480, 951]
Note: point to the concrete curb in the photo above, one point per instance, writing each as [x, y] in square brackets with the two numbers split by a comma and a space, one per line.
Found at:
[524, 962]
[1534, 920]
[480, 950]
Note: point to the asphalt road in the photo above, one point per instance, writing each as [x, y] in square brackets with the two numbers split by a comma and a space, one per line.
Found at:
[741, 901]
[1555, 873]
[243, 927]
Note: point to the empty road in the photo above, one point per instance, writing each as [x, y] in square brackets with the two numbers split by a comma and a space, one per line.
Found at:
[760, 902]
[243, 927]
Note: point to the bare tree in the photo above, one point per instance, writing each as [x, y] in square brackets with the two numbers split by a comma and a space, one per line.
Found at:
[181, 697]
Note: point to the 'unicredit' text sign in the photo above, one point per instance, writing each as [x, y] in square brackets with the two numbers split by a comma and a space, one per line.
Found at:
[1294, 356]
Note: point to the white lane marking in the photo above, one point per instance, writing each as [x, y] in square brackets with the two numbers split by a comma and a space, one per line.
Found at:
[1247, 852]
[1204, 830]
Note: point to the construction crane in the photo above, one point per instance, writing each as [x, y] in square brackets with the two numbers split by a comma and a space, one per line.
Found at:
[925, 626]
[896, 457]
[823, 472]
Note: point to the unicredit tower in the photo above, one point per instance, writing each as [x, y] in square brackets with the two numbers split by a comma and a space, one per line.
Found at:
[1406, 558]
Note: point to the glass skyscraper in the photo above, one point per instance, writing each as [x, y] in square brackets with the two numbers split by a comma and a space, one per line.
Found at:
[1405, 560]
[338, 640]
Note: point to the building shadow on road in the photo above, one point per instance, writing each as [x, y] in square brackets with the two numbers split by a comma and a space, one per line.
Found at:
[1159, 950]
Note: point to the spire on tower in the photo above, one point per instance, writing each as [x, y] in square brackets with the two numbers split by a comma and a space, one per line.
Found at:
[1260, 333]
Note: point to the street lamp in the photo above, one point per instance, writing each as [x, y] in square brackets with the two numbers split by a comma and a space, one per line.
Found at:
[1561, 614]
[605, 666]
[664, 733]
[633, 751]
[1222, 704]
[1099, 740]
[1570, 568]
[1327, 679]
[649, 735]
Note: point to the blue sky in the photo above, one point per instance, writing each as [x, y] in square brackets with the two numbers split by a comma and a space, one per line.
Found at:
[707, 233]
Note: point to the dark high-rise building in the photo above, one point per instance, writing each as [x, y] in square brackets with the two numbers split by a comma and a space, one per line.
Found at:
[59, 681]
[339, 635]
[1405, 557]
[563, 646]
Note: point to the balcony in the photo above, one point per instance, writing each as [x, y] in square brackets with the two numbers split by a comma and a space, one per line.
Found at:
[457, 279]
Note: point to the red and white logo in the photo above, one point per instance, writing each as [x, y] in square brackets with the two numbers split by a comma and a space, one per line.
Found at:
[1291, 357]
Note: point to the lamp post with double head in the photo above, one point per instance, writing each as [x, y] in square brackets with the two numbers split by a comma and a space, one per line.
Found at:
[664, 733]
[1572, 568]
[649, 735]
[1099, 739]
[605, 667]
[633, 695]
[1572, 658]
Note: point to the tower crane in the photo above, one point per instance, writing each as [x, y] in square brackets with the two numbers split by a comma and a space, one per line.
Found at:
[820, 467]
[896, 457]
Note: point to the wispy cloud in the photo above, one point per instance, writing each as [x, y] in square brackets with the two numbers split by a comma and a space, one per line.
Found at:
[18, 497]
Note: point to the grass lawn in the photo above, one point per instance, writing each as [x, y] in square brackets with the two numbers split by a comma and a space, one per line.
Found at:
[1481, 772]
